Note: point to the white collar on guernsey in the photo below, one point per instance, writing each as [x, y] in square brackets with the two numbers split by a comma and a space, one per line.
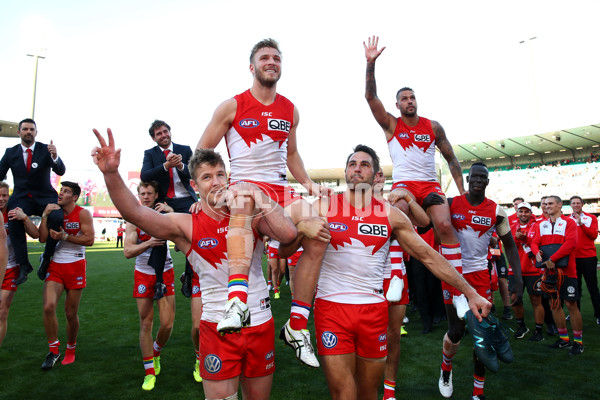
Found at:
[25, 148]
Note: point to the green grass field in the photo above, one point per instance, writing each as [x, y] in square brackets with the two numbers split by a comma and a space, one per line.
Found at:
[109, 362]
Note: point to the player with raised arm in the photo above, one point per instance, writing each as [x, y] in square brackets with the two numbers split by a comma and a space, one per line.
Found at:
[246, 357]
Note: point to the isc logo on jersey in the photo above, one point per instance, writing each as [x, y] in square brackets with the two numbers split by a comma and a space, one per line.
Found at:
[422, 138]
[72, 225]
[207, 243]
[479, 220]
[373, 230]
[337, 227]
[279, 125]
[249, 123]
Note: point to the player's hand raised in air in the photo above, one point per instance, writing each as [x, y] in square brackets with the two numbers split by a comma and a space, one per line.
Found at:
[106, 157]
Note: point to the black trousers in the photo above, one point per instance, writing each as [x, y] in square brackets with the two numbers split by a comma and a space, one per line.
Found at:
[17, 230]
[428, 292]
[586, 269]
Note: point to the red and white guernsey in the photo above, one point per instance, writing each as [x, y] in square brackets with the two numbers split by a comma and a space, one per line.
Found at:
[12, 258]
[412, 149]
[257, 139]
[67, 252]
[523, 247]
[587, 232]
[208, 257]
[141, 261]
[474, 227]
[352, 269]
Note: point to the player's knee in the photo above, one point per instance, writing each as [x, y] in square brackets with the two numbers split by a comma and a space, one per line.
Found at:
[455, 334]
[232, 397]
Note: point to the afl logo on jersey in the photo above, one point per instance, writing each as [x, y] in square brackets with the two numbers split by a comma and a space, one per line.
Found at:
[459, 217]
[337, 227]
[249, 123]
[479, 220]
[279, 125]
[422, 138]
[403, 135]
[372, 230]
[207, 243]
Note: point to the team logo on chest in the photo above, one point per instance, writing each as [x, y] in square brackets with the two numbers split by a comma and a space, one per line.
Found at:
[279, 125]
[337, 227]
[481, 220]
[72, 225]
[207, 243]
[249, 123]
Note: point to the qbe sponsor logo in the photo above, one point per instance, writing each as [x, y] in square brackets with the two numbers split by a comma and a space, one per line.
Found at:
[422, 138]
[373, 230]
[479, 220]
[279, 125]
[72, 225]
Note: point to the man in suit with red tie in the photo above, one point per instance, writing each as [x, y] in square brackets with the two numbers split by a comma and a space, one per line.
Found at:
[166, 163]
[30, 163]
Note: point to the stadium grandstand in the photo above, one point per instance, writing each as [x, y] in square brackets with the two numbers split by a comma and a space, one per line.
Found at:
[563, 163]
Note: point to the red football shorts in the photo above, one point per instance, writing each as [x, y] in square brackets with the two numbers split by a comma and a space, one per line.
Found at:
[404, 299]
[283, 195]
[420, 189]
[9, 279]
[293, 259]
[143, 284]
[351, 328]
[480, 280]
[250, 352]
[272, 253]
[71, 275]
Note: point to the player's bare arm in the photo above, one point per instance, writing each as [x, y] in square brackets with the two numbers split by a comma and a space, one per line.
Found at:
[18, 214]
[445, 148]
[386, 120]
[218, 125]
[416, 247]
[174, 226]
[86, 231]
[131, 248]
[43, 229]
[296, 165]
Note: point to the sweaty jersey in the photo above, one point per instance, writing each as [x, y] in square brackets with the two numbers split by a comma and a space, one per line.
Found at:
[67, 252]
[141, 260]
[257, 139]
[412, 149]
[474, 227]
[208, 257]
[352, 269]
[12, 258]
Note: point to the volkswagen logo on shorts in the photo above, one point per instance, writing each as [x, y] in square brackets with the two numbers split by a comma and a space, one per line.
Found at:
[212, 364]
[329, 340]
[141, 289]
[382, 338]
[195, 289]
[337, 227]
[571, 290]
[269, 355]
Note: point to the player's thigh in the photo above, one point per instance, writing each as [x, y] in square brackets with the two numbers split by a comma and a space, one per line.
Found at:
[369, 374]
[258, 388]
[52, 292]
[6, 298]
[300, 210]
[72, 300]
[166, 310]
[339, 372]
[220, 389]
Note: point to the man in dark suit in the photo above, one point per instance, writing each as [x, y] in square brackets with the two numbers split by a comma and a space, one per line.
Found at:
[30, 163]
[166, 163]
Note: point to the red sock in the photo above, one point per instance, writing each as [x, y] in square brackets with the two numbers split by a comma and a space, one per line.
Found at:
[157, 348]
[149, 365]
[54, 345]
[389, 388]
[478, 382]
[299, 315]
